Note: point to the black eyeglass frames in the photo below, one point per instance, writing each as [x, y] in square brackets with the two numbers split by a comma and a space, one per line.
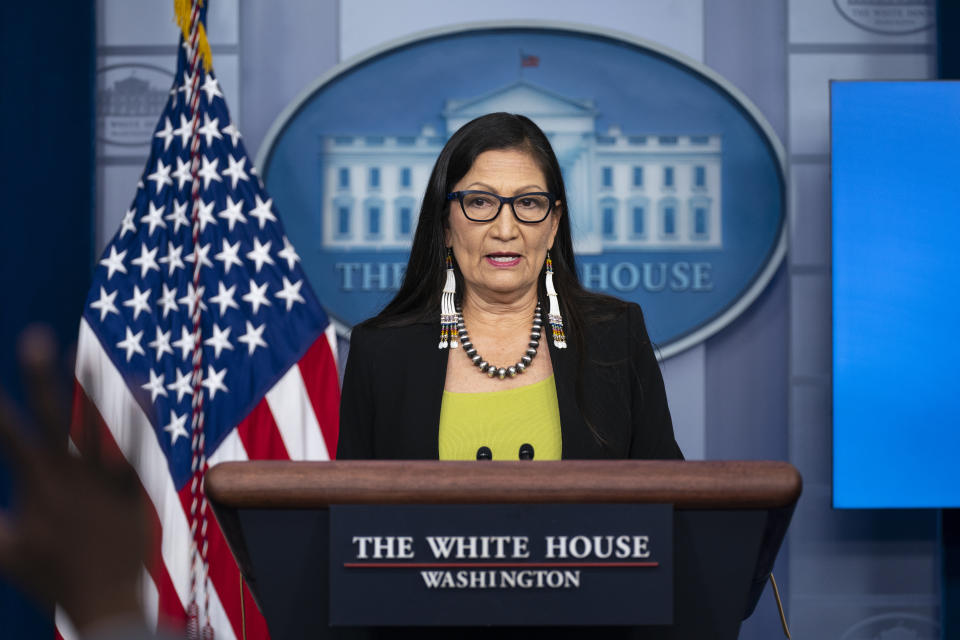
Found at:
[483, 206]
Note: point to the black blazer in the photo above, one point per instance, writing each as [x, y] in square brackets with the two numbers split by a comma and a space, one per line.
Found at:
[394, 379]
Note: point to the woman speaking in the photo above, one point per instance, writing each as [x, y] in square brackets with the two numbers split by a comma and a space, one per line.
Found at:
[530, 364]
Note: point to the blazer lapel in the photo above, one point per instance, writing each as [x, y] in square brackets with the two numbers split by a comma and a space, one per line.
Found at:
[573, 429]
[425, 418]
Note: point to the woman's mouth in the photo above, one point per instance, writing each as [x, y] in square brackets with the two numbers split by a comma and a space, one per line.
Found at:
[503, 259]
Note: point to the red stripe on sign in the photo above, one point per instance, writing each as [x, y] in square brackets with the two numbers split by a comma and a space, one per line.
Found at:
[319, 371]
[171, 613]
[259, 434]
[225, 577]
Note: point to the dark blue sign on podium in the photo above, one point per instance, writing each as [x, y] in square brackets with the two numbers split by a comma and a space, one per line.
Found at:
[470, 565]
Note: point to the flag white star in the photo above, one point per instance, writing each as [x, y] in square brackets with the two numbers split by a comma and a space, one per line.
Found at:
[232, 131]
[173, 259]
[176, 427]
[155, 386]
[127, 224]
[193, 295]
[208, 171]
[235, 170]
[219, 341]
[260, 254]
[161, 343]
[289, 254]
[253, 338]
[233, 213]
[210, 129]
[138, 302]
[181, 385]
[114, 262]
[105, 304]
[166, 134]
[154, 218]
[214, 381]
[131, 343]
[290, 292]
[185, 343]
[210, 87]
[228, 256]
[187, 86]
[185, 130]
[224, 298]
[161, 176]
[146, 260]
[262, 211]
[201, 251]
[179, 216]
[168, 299]
[205, 214]
[257, 296]
[182, 174]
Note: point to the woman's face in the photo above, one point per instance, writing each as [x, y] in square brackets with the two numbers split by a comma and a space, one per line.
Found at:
[500, 260]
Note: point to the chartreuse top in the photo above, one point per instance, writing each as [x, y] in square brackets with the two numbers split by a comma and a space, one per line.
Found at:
[503, 421]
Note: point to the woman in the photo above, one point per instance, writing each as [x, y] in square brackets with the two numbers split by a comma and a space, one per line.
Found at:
[492, 273]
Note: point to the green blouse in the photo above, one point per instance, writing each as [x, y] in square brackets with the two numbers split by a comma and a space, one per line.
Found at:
[503, 421]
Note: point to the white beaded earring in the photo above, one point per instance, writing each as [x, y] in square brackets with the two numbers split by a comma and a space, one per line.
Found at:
[448, 309]
[556, 320]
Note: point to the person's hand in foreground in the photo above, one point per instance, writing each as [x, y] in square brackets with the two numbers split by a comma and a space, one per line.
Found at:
[76, 533]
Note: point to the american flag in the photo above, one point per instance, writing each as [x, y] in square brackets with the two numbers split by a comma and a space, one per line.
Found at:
[267, 375]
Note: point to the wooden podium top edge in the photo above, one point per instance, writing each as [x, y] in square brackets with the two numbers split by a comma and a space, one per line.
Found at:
[268, 484]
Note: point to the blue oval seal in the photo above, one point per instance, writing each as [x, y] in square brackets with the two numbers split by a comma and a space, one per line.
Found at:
[675, 181]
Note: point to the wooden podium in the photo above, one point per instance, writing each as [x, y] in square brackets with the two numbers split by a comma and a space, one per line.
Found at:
[729, 521]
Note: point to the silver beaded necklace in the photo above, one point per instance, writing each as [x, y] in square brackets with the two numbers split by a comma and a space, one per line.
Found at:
[500, 372]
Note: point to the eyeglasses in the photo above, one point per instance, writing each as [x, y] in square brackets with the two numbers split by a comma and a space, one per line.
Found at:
[483, 206]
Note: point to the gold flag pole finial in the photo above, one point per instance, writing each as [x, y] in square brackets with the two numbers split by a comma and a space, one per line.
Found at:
[183, 10]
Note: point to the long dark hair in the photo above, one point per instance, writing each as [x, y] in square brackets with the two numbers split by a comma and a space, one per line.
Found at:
[418, 299]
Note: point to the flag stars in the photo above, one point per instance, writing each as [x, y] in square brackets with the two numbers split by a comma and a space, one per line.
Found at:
[260, 254]
[185, 130]
[253, 338]
[161, 344]
[214, 381]
[211, 88]
[224, 298]
[166, 133]
[200, 253]
[127, 224]
[205, 214]
[234, 133]
[257, 296]
[289, 254]
[131, 344]
[114, 262]
[235, 171]
[262, 211]
[185, 343]
[105, 304]
[181, 385]
[233, 213]
[179, 216]
[187, 86]
[228, 256]
[147, 260]
[176, 427]
[290, 292]
[182, 174]
[154, 218]
[138, 302]
[161, 176]
[193, 296]
[168, 299]
[173, 259]
[220, 340]
[210, 129]
[155, 386]
[208, 171]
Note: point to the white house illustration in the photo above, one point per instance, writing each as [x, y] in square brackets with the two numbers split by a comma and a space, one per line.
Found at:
[625, 191]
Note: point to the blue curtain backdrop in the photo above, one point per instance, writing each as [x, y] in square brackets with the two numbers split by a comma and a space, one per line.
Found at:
[47, 169]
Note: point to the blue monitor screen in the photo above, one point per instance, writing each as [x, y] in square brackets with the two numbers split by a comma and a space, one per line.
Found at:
[896, 293]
